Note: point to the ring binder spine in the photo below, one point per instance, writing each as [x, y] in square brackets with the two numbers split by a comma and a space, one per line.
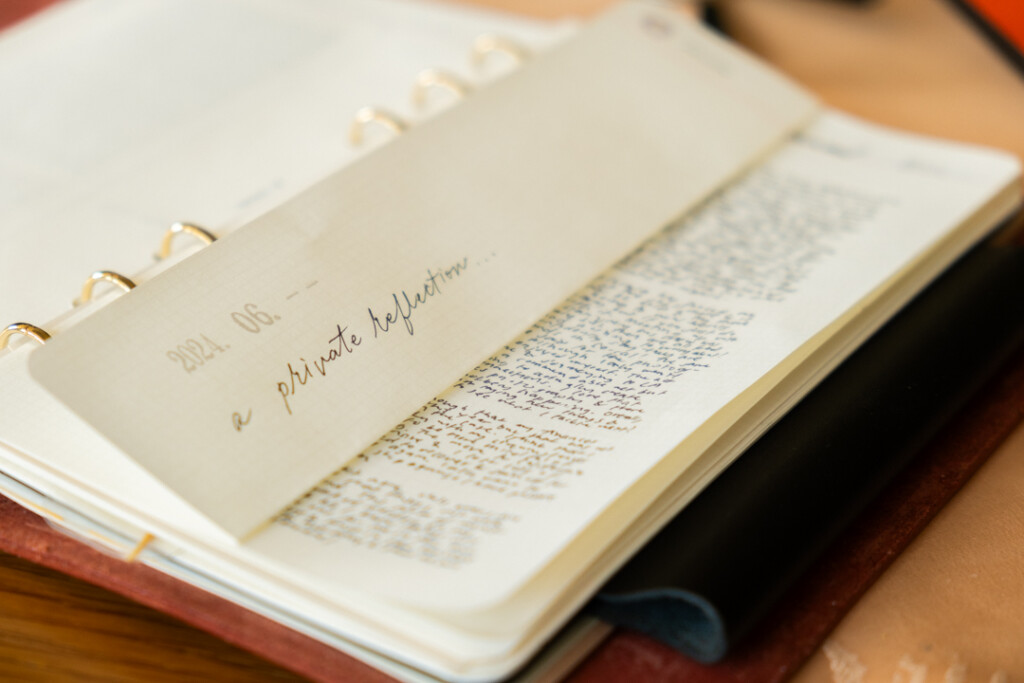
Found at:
[484, 45]
[368, 115]
[489, 43]
[40, 335]
[102, 276]
[199, 232]
[24, 329]
[431, 78]
[133, 554]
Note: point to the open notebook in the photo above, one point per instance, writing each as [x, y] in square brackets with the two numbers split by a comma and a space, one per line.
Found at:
[533, 326]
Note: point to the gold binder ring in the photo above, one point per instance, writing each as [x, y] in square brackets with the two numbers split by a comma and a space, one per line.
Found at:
[201, 234]
[25, 329]
[368, 115]
[107, 276]
[488, 43]
[133, 554]
[431, 78]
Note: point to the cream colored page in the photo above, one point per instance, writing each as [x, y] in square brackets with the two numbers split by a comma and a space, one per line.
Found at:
[121, 117]
[332, 545]
[405, 526]
[259, 365]
[76, 450]
[470, 497]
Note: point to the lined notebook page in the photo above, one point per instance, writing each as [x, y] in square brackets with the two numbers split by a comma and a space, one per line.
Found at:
[249, 372]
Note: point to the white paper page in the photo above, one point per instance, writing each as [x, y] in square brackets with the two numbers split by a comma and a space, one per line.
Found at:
[329, 319]
[77, 448]
[119, 117]
[474, 493]
[419, 543]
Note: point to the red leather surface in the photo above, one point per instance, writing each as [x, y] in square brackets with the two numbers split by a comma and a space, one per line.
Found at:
[16, 10]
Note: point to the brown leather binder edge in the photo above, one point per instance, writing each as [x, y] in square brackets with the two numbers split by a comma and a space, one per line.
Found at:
[787, 637]
[800, 623]
[28, 536]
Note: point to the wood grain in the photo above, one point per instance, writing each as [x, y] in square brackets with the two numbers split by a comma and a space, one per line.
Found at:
[56, 628]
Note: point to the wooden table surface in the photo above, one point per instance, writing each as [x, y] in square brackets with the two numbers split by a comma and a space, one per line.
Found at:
[910, 63]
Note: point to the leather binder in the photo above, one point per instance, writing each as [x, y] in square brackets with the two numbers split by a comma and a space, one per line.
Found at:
[788, 633]
[716, 571]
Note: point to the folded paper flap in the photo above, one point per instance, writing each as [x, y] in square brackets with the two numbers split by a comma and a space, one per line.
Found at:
[245, 375]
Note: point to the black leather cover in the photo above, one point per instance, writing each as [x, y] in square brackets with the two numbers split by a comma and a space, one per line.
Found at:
[724, 561]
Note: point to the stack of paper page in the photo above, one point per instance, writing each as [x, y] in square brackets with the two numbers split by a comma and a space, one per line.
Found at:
[421, 405]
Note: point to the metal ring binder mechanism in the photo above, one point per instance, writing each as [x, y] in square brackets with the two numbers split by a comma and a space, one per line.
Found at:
[368, 115]
[134, 553]
[483, 46]
[488, 43]
[24, 329]
[426, 80]
[41, 335]
[430, 78]
[201, 234]
[107, 276]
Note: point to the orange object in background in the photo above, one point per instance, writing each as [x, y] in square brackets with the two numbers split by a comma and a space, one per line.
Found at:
[1002, 21]
[1006, 15]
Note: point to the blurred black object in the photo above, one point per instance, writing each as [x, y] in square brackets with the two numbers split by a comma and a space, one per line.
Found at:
[1001, 22]
[725, 560]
